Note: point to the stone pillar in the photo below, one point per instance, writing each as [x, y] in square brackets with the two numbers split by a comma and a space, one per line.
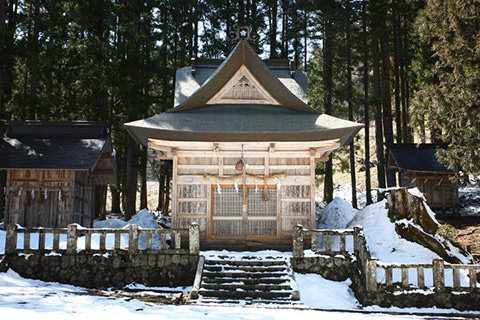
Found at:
[298, 241]
[371, 276]
[439, 275]
[356, 239]
[71, 238]
[133, 239]
[194, 239]
[11, 240]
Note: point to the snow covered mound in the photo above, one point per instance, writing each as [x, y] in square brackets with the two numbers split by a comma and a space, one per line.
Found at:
[143, 218]
[336, 215]
[382, 239]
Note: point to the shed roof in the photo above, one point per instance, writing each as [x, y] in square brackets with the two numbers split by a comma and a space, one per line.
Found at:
[53, 145]
[417, 157]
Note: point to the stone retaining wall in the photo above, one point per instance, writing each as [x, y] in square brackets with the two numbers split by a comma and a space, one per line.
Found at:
[337, 268]
[107, 270]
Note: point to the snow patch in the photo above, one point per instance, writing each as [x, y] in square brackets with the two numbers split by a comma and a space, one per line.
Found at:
[336, 215]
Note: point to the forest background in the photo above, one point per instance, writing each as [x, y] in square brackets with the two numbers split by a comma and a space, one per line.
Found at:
[407, 69]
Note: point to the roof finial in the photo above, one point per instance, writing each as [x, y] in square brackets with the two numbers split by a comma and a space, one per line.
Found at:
[244, 33]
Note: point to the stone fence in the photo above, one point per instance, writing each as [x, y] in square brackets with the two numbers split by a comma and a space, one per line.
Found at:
[461, 278]
[386, 284]
[74, 239]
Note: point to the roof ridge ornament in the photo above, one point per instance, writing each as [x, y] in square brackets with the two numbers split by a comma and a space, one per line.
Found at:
[244, 33]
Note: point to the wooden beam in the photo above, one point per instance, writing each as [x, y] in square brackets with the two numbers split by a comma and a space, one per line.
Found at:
[248, 146]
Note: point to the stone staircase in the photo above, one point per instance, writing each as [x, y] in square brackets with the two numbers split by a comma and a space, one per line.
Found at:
[248, 279]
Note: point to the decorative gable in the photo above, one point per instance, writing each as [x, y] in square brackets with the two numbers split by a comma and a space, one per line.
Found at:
[243, 88]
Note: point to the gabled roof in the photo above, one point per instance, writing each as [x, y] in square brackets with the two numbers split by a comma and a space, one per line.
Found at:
[243, 55]
[417, 157]
[76, 145]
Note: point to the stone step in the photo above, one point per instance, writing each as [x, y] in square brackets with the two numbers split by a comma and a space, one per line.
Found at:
[247, 301]
[245, 268]
[243, 274]
[234, 287]
[246, 281]
[270, 295]
[246, 262]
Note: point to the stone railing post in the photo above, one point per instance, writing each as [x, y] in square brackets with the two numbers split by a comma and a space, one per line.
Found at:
[439, 275]
[298, 241]
[356, 239]
[194, 239]
[371, 276]
[71, 238]
[11, 240]
[133, 239]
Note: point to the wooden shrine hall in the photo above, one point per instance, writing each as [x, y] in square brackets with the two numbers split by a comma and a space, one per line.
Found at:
[52, 170]
[244, 144]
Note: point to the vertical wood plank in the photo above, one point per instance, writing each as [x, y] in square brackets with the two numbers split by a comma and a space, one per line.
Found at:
[56, 240]
[420, 277]
[41, 241]
[389, 277]
[103, 236]
[117, 239]
[7, 200]
[163, 241]
[312, 188]
[175, 218]
[314, 242]
[328, 242]
[456, 278]
[26, 240]
[149, 240]
[88, 240]
[405, 283]
[342, 242]
[178, 239]
[472, 274]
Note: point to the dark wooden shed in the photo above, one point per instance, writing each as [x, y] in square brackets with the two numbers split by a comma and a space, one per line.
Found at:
[52, 169]
[418, 166]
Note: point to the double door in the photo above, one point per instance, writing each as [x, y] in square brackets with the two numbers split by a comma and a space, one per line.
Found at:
[243, 214]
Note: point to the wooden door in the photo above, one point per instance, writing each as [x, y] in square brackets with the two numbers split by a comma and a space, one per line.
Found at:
[229, 220]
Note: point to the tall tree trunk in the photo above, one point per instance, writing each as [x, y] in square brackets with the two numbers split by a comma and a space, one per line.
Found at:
[408, 129]
[33, 55]
[115, 193]
[100, 201]
[3, 56]
[350, 105]
[143, 179]
[328, 83]
[284, 29]
[241, 12]
[131, 192]
[273, 28]
[305, 39]
[378, 116]
[396, 66]
[386, 96]
[366, 105]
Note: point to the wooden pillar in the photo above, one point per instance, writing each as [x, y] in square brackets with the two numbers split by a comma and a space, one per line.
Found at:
[175, 219]
[312, 189]
[72, 203]
[6, 216]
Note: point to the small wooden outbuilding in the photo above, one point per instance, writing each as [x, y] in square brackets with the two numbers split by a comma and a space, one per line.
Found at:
[418, 166]
[244, 145]
[52, 169]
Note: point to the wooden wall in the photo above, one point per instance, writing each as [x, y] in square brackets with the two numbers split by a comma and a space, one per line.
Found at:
[440, 192]
[192, 190]
[29, 205]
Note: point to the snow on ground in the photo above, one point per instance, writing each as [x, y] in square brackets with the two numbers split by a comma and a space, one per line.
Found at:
[317, 292]
[21, 297]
